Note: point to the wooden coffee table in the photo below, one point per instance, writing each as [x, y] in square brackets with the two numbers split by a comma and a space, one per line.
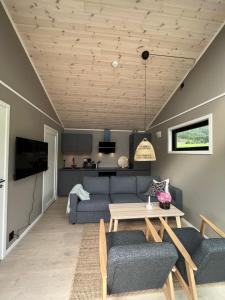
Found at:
[126, 211]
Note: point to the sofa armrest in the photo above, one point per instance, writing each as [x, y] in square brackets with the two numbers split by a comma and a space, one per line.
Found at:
[177, 197]
[73, 208]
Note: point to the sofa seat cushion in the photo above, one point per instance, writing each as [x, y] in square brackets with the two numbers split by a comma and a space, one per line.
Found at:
[122, 238]
[144, 198]
[124, 198]
[97, 202]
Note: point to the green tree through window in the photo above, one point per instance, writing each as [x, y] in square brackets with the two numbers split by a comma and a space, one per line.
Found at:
[197, 137]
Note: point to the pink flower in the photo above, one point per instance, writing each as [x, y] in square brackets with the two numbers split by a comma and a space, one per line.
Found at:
[163, 197]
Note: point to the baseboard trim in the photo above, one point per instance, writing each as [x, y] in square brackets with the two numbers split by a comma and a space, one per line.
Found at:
[23, 235]
[188, 224]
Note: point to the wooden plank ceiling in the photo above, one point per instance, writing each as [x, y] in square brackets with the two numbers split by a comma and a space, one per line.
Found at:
[73, 42]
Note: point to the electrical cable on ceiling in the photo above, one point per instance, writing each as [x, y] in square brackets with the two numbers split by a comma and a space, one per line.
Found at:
[173, 56]
[145, 54]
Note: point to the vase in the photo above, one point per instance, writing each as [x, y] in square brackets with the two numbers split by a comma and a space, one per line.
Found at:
[165, 205]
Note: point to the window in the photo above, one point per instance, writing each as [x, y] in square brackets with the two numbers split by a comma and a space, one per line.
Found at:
[192, 137]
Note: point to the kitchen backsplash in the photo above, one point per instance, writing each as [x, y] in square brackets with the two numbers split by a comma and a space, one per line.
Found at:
[107, 160]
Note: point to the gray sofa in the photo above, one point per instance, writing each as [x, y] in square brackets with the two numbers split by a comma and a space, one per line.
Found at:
[115, 189]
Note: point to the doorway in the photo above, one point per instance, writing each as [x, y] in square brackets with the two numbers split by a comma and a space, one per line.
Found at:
[50, 176]
[4, 157]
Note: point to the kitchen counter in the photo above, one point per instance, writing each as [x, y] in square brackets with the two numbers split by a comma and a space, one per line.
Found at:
[102, 169]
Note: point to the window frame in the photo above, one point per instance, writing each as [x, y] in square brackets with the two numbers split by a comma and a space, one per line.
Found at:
[186, 126]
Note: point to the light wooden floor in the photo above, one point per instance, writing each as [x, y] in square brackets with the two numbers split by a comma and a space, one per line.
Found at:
[42, 265]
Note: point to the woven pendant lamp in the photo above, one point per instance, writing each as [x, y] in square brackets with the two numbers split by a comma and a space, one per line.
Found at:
[145, 150]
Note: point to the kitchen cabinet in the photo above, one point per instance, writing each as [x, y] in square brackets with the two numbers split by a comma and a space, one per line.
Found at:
[76, 143]
[134, 140]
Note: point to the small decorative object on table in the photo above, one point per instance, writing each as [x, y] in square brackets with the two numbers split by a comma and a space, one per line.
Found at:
[164, 199]
[149, 205]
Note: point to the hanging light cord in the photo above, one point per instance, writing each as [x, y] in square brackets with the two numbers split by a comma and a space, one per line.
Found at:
[145, 94]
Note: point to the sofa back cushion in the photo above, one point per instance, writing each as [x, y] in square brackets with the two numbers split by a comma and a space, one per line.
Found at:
[96, 185]
[144, 182]
[123, 185]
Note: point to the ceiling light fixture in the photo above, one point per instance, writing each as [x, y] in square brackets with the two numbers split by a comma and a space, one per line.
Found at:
[115, 63]
[145, 150]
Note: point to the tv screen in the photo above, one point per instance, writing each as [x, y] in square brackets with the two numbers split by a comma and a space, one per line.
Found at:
[31, 157]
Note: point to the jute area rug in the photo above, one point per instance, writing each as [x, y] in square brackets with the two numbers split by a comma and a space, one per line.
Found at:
[87, 280]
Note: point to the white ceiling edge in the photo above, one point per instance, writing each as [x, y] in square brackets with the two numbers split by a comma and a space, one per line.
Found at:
[31, 61]
[185, 76]
[98, 129]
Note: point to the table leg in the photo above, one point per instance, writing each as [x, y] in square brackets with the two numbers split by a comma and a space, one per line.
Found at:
[115, 225]
[161, 231]
[146, 233]
[110, 224]
[178, 221]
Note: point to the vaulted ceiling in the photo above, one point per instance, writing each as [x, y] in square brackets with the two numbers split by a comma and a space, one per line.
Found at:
[72, 44]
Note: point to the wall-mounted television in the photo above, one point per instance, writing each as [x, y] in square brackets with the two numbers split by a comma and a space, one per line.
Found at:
[31, 157]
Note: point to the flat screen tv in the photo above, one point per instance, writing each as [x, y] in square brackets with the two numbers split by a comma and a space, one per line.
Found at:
[31, 157]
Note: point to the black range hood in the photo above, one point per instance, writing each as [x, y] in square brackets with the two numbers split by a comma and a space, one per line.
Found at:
[107, 146]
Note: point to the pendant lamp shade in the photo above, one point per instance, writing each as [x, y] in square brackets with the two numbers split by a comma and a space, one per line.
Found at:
[144, 151]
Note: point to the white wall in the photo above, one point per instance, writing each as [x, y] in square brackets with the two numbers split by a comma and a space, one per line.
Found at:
[107, 160]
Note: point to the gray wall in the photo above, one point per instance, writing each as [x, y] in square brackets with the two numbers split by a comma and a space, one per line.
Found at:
[107, 160]
[201, 177]
[16, 69]
[25, 121]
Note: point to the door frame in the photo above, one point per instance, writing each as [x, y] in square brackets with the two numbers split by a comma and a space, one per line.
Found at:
[55, 132]
[3, 214]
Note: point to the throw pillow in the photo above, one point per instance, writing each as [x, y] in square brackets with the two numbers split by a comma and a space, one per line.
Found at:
[159, 186]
